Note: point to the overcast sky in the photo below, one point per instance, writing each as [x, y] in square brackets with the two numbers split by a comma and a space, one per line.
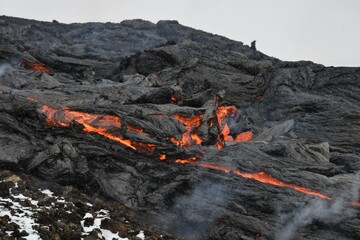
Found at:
[323, 31]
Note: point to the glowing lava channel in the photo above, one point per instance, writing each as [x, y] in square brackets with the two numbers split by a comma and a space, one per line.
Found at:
[259, 176]
[37, 67]
[266, 178]
[95, 123]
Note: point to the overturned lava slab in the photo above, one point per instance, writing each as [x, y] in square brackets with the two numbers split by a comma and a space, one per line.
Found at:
[193, 135]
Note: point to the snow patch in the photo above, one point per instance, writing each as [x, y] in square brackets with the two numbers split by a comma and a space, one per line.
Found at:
[47, 192]
[88, 215]
[22, 215]
[141, 235]
[100, 215]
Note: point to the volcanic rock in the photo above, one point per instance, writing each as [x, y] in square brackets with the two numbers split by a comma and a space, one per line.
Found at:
[171, 132]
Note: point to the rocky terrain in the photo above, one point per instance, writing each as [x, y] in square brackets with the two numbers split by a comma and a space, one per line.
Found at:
[30, 211]
[159, 131]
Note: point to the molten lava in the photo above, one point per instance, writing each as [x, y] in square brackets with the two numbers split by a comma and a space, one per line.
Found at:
[212, 166]
[63, 118]
[95, 123]
[102, 131]
[101, 124]
[189, 160]
[37, 67]
[148, 147]
[223, 113]
[189, 137]
[265, 178]
[134, 129]
[259, 176]
[32, 99]
[244, 137]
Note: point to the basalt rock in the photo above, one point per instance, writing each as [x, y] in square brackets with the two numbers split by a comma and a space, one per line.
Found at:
[191, 133]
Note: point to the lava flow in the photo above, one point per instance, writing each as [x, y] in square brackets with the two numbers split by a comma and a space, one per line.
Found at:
[135, 129]
[173, 98]
[37, 67]
[96, 123]
[227, 112]
[64, 117]
[266, 178]
[189, 137]
[259, 176]
[101, 124]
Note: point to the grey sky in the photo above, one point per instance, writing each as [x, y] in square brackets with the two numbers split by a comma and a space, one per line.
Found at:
[323, 31]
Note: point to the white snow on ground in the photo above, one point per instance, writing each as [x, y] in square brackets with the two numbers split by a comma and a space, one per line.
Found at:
[61, 200]
[22, 216]
[100, 215]
[141, 235]
[88, 215]
[47, 192]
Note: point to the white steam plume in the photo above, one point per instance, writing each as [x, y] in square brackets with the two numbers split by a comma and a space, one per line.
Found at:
[318, 210]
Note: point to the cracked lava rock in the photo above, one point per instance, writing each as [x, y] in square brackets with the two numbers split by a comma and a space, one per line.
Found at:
[138, 130]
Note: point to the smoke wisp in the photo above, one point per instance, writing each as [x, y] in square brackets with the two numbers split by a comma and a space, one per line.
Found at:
[318, 210]
[194, 213]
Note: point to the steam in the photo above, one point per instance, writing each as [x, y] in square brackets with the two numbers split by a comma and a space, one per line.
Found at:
[3, 68]
[193, 214]
[318, 210]
[355, 190]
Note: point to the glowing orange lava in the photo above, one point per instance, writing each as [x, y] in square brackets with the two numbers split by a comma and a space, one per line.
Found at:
[244, 137]
[189, 160]
[32, 99]
[102, 123]
[259, 176]
[149, 147]
[102, 131]
[212, 166]
[95, 123]
[265, 178]
[189, 137]
[224, 136]
[64, 117]
[223, 113]
[135, 129]
[37, 67]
